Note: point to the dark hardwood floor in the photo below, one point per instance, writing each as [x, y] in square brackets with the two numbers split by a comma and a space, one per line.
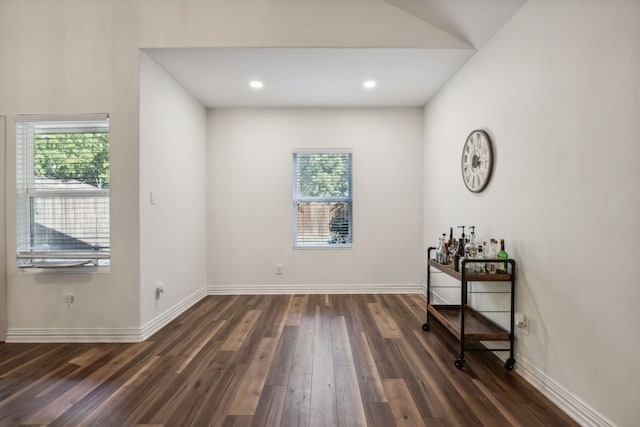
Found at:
[318, 360]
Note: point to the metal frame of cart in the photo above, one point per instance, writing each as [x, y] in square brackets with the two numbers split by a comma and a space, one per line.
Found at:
[464, 322]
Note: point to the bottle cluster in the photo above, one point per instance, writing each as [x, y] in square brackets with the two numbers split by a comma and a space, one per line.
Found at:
[452, 251]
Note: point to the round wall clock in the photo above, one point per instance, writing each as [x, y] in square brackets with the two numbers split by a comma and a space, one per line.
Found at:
[477, 161]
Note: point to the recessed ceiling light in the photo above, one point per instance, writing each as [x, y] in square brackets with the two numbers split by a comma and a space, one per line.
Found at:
[369, 84]
[256, 84]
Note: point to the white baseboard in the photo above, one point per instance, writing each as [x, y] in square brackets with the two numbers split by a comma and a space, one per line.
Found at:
[573, 406]
[73, 335]
[295, 289]
[163, 319]
[437, 299]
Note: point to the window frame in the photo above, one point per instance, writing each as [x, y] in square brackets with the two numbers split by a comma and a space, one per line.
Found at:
[27, 192]
[311, 199]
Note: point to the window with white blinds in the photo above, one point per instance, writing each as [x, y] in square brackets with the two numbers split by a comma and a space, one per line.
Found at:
[62, 190]
[322, 199]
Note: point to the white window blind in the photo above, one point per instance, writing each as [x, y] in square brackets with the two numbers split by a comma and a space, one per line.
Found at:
[322, 199]
[62, 190]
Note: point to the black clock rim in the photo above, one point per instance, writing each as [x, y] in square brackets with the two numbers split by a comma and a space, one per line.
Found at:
[486, 181]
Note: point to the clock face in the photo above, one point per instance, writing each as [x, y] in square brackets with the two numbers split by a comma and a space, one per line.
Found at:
[477, 161]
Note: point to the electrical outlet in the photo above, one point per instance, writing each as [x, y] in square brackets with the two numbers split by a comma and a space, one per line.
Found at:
[279, 269]
[522, 323]
[160, 290]
[69, 299]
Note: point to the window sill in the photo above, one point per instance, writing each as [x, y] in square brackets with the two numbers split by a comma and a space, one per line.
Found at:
[63, 267]
[322, 247]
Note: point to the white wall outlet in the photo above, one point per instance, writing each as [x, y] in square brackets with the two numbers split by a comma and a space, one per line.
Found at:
[69, 299]
[279, 269]
[160, 289]
[521, 322]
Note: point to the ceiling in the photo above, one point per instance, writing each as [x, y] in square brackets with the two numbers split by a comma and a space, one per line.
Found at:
[333, 77]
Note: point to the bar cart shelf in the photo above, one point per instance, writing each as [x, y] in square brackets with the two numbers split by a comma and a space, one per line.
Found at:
[469, 326]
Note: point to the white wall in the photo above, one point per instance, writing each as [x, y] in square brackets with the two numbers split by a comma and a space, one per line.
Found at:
[173, 167]
[69, 57]
[3, 287]
[75, 56]
[558, 89]
[250, 213]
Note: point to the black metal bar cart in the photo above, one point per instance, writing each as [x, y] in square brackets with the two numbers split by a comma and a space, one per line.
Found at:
[472, 327]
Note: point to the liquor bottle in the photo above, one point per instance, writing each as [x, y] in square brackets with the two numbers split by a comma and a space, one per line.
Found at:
[445, 249]
[444, 254]
[454, 258]
[491, 266]
[463, 239]
[502, 254]
[460, 253]
[471, 249]
[440, 251]
[485, 254]
[480, 265]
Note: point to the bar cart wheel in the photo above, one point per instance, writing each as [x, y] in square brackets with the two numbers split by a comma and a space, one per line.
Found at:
[459, 363]
[508, 365]
[425, 326]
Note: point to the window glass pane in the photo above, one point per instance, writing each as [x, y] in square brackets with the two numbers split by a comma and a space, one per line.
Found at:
[322, 200]
[71, 158]
[323, 174]
[70, 224]
[321, 223]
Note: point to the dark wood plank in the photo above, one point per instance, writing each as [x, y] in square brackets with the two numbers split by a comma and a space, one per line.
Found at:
[55, 407]
[323, 393]
[242, 330]
[371, 387]
[297, 405]
[404, 410]
[379, 414]
[283, 357]
[269, 410]
[248, 394]
[349, 407]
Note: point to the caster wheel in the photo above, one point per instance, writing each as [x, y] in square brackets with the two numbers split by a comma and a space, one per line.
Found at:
[459, 363]
[508, 365]
[425, 326]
